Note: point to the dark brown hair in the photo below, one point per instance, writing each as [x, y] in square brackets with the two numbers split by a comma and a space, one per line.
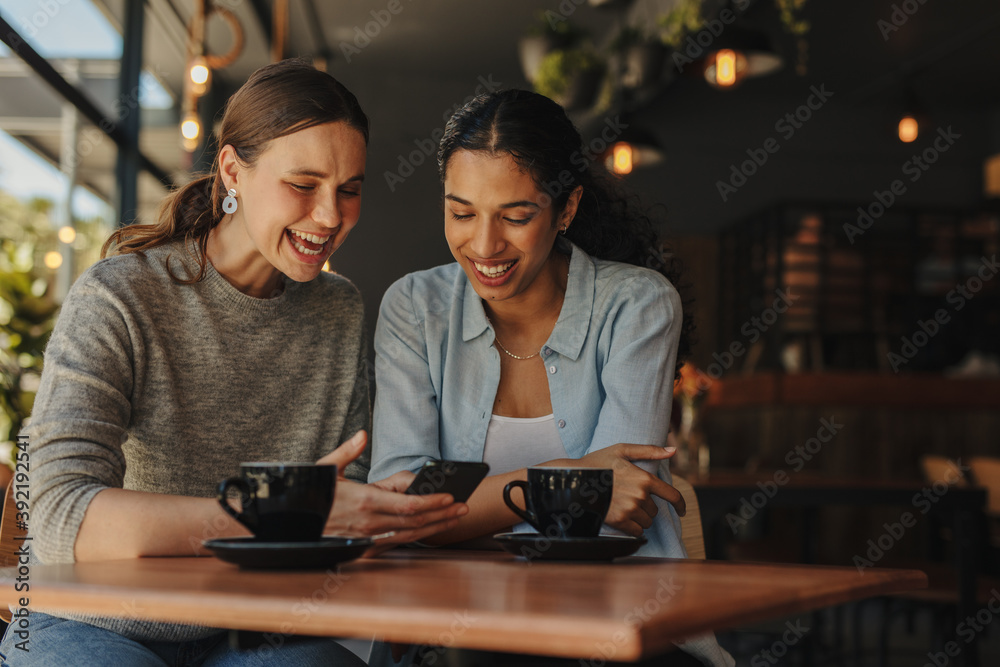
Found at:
[276, 100]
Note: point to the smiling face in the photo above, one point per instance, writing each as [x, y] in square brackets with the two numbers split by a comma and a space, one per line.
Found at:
[297, 204]
[501, 228]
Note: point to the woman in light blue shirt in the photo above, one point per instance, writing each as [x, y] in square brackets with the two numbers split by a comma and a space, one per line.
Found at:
[549, 340]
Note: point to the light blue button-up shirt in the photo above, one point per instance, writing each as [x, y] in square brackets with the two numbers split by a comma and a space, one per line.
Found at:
[609, 362]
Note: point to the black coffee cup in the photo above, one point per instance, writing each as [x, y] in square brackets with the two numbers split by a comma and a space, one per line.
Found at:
[564, 502]
[282, 502]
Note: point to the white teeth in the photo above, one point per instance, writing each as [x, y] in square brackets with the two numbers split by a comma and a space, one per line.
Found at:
[312, 238]
[304, 250]
[493, 271]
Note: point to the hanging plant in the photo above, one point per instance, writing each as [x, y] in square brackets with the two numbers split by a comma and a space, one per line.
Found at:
[550, 32]
[683, 19]
[639, 57]
[571, 77]
[795, 25]
[789, 9]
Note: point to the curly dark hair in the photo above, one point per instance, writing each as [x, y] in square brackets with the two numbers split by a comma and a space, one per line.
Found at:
[610, 221]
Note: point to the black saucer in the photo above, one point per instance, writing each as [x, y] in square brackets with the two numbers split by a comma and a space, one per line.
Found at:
[534, 546]
[253, 554]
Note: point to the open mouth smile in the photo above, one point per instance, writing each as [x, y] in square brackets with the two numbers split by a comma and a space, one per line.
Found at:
[493, 271]
[310, 245]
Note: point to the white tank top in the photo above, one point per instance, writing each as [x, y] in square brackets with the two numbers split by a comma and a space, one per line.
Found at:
[514, 442]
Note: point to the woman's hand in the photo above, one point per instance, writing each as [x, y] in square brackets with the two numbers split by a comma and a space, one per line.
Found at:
[376, 509]
[632, 506]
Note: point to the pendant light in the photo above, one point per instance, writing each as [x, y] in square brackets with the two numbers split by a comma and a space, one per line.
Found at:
[738, 54]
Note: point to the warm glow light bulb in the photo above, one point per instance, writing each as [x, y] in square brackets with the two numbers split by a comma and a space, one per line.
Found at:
[622, 158]
[53, 259]
[908, 129]
[725, 67]
[200, 75]
[67, 234]
[190, 129]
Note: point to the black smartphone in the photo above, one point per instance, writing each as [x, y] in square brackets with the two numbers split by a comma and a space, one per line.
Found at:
[459, 478]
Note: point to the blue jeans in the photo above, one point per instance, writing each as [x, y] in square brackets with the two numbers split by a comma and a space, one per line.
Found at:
[54, 641]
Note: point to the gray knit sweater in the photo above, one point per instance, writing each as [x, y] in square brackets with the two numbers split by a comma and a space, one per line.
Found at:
[163, 387]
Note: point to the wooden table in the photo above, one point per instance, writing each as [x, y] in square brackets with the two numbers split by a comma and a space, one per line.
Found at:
[623, 611]
[721, 492]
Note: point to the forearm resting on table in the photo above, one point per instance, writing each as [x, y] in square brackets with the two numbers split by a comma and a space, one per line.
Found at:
[131, 524]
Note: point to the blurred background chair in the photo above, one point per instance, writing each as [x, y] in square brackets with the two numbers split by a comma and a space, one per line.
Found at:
[941, 596]
[942, 469]
[986, 473]
[691, 530]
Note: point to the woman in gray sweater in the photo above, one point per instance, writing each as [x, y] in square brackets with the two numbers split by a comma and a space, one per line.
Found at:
[207, 339]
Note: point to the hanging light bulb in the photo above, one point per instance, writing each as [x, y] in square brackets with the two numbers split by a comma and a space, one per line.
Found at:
[738, 54]
[726, 68]
[621, 158]
[635, 148]
[200, 76]
[191, 131]
[909, 128]
[67, 234]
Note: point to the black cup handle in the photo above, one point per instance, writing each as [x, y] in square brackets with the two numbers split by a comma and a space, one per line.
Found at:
[244, 489]
[525, 514]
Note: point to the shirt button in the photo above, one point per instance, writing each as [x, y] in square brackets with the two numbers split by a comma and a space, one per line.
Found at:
[562, 423]
[546, 351]
[552, 370]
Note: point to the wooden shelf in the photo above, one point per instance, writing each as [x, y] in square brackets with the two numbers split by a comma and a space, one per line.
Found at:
[914, 391]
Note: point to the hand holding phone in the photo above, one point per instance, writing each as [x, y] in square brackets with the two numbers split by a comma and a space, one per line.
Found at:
[458, 478]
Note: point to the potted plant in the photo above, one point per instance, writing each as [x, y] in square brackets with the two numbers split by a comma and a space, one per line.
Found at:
[639, 57]
[571, 77]
[552, 31]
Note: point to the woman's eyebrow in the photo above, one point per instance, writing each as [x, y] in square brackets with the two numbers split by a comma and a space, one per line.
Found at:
[513, 204]
[320, 174]
[306, 172]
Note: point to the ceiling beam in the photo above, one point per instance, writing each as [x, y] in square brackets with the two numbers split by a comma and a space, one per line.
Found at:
[73, 95]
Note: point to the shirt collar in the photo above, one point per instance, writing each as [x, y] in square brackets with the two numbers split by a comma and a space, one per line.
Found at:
[573, 324]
